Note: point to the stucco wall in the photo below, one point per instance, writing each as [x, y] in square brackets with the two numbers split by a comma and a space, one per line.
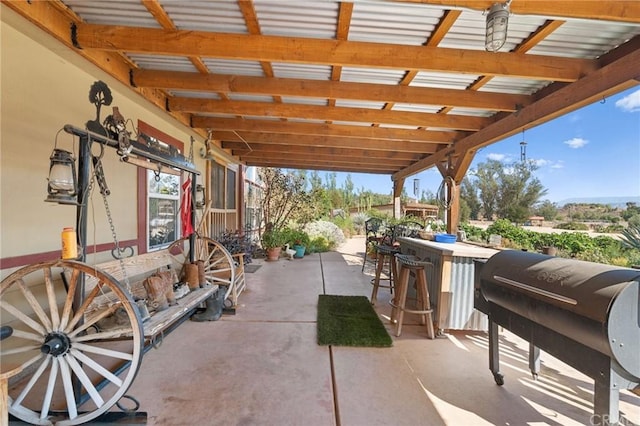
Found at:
[45, 85]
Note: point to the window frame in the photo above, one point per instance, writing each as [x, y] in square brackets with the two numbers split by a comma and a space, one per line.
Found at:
[143, 196]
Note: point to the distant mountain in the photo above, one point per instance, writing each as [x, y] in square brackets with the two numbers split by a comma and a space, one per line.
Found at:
[611, 201]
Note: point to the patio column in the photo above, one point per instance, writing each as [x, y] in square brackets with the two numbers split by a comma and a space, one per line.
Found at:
[397, 192]
[453, 171]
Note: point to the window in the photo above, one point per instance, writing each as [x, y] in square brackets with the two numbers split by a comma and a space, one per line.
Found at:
[163, 192]
[217, 185]
[223, 187]
[231, 189]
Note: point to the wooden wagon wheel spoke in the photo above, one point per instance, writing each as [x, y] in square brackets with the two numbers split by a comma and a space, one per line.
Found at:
[104, 335]
[22, 317]
[37, 309]
[83, 309]
[51, 296]
[46, 401]
[85, 380]
[32, 381]
[19, 349]
[27, 335]
[69, 394]
[68, 303]
[88, 324]
[84, 373]
[97, 367]
[101, 351]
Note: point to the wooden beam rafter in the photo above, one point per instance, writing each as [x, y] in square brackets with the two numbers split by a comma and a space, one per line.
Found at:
[328, 52]
[322, 141]
[313, 112]
[328, 89]
[231, 125]
[240, 148]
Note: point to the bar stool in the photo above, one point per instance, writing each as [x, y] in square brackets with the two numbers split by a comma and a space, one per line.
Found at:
[411, 264]
[385, 253]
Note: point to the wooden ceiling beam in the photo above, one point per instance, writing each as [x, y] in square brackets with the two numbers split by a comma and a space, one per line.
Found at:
[329, 52]
[323, 141]
[328, 89]
[617, 11]
[240, 148]
[324, 165]
[313, 112]
[274, 156]
[327, 130]
[612, 78]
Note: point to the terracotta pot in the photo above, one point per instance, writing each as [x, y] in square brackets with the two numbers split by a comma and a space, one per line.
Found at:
[273, 253]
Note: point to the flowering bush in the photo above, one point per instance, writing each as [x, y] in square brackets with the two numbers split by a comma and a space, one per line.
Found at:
[328, 230]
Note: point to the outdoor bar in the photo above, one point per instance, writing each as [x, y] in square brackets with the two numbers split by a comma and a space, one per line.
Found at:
[450, 281]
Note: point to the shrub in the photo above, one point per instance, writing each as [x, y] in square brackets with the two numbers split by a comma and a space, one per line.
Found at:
[328, 230]
[345, 224]
[318, 245]
[237, 243]
[295, 237]
[572, 226]
[358, 220]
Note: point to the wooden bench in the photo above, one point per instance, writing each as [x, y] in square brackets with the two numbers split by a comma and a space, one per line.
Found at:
[137, 269]
[221, 269]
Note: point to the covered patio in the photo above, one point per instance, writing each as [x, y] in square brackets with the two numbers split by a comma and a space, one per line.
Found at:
[263, 366]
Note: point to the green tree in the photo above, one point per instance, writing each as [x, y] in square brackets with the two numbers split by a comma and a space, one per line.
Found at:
[631, 210]
[469, 196]
[546, 209]
[348, 195]
[505, 191]
[284, 198]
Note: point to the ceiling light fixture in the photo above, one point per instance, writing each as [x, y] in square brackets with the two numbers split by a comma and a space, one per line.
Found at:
[497, 22]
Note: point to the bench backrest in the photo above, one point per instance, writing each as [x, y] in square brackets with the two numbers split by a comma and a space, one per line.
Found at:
[137, 268]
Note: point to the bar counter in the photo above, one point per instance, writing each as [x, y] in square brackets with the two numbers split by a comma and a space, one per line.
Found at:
[450, 281]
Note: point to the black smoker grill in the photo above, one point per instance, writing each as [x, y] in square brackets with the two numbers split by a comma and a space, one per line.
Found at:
[585, 314]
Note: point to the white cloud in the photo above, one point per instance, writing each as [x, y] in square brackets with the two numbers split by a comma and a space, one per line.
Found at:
[558, 165]
[540, 162]
[630, 103]
[576, 143]
[497, 157]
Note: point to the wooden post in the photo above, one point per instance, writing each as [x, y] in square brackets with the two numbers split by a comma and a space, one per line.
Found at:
[397, 192]
[453, 214]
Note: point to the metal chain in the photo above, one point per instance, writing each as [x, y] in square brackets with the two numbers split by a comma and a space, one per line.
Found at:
[98, 174]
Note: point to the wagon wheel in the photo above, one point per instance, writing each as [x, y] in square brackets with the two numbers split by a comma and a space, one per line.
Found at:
[219, 267]
[77, 361]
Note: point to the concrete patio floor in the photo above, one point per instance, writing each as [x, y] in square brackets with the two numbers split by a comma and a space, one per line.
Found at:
[262, 366]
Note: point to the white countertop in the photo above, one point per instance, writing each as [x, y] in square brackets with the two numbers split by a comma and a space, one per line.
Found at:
[452, 249]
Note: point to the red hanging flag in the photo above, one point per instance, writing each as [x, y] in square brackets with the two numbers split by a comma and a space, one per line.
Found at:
[185, 209]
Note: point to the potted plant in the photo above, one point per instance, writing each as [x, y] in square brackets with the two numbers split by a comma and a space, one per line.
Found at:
[272, 242]
[299, 241]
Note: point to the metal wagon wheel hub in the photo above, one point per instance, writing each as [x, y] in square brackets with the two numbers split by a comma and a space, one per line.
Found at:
[55, 344]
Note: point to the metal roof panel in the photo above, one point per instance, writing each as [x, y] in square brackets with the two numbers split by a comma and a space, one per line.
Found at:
[117, 12]
[234, 67]
[311, 19]
[392, 22]
[225, 17]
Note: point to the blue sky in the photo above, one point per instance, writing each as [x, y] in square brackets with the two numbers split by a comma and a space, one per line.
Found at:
[591, 152]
